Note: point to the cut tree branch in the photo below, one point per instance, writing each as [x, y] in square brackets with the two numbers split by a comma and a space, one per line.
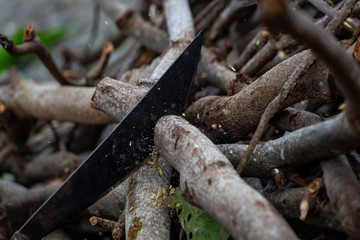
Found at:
[205, 172]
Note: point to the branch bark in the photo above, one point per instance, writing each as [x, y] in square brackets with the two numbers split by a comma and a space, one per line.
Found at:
[205, 172]
[287, 202]
[131, 23]
[343, 190]
[33, 44]
[278, 16]
[51, 102]
[228, 119]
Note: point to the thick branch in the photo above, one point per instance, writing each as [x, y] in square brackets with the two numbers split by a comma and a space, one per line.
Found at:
[227, 119]
[146, 208]
[51, 102]
[116, 98]
[324, 140]
[205, 172]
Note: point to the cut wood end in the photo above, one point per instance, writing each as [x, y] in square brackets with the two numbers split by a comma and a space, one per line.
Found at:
[304, 209]
[93, 220]
[108, 48]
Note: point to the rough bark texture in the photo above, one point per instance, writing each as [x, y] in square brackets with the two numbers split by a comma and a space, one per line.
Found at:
[236, 116]
[116, 98]
[324, 140]
[147, 215]
[204, 172]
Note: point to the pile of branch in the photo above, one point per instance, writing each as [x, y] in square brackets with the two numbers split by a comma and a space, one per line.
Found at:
[268, 144]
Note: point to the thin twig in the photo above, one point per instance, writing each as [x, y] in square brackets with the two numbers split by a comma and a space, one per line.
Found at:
[119, 227]
[106, 224]
[34, 45]
[256, 43]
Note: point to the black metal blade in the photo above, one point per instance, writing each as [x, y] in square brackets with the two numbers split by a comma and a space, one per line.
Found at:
[122, 151]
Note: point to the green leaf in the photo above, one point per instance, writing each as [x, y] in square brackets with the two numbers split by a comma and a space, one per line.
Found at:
[197, 223]
[31, 133]
[51, 36]
[7, 176]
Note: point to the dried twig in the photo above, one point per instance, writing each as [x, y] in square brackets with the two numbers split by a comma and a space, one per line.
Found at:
[310, 199]
[106, 224]
[116, 98]
[146, 206]
[323, 7]
[267, 53]
[216, 73]
[201, 15]
[209, 14]
[291, 119]
[56, 165]
[119, 227]
[101, 65]
[131, 23]
[34, 45]
[323, 140]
